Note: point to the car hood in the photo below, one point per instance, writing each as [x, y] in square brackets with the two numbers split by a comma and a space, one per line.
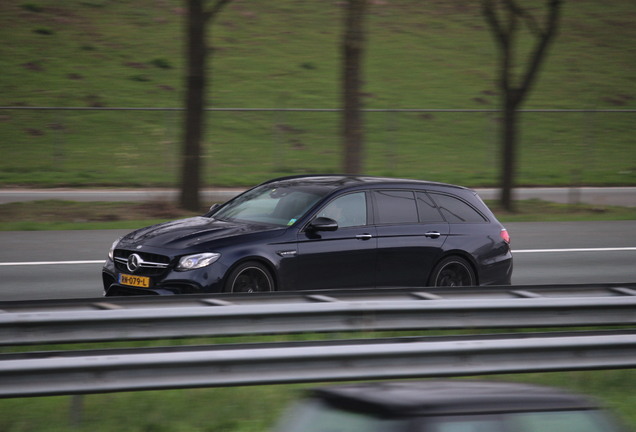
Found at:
[185, 233]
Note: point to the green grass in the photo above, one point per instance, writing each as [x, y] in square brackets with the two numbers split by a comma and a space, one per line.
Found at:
[542, 211]
[65, 215]
[107, 53]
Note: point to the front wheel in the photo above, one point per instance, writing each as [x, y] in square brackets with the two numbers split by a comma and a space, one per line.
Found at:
[453, 271]
[249, 277]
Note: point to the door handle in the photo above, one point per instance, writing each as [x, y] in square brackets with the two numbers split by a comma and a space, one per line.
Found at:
[364, 236]
[432, 234]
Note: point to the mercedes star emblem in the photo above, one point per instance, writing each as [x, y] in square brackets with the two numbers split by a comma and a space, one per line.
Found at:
[133, 263]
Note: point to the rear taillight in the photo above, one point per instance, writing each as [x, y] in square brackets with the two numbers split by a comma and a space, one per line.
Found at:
[504, 235]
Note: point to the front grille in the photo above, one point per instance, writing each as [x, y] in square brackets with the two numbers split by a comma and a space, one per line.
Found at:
[149, 264]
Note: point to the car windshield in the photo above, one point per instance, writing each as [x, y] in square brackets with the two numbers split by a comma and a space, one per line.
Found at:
[312, 415]
[562, 421]
[268, 204]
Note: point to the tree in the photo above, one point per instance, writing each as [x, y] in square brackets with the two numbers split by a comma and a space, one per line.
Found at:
[504, 18]
[353, 42]
[200, 15]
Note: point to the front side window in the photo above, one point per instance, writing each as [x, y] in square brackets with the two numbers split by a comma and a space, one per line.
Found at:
[348, 210]
[395, 207]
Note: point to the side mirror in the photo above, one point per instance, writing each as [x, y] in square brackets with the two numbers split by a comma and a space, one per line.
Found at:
[213, 208]
[323, 224]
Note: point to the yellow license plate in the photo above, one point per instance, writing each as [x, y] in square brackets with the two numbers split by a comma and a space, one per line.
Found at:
[137, 281]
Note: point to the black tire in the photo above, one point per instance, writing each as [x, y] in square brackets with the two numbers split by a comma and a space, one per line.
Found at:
[453, 271]
[250, 277]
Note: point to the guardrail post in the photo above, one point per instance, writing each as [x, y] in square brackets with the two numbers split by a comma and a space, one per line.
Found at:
[76, 411]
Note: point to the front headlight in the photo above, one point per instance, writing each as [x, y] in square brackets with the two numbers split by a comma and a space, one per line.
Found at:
[111, 251]
[191, 262]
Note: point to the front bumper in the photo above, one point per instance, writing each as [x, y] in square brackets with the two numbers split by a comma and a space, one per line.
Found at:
[169, 282]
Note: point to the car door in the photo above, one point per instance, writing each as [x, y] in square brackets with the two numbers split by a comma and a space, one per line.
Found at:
[344, 258]
[411, 233]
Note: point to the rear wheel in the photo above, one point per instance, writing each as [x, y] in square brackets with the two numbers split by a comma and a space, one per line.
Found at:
[453, 271]
[249, 277]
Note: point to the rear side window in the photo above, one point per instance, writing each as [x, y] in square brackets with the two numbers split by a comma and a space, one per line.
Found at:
[455, 210]
[427, 209]
[395, 207]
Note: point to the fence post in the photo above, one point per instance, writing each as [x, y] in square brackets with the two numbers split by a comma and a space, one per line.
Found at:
[392, 141]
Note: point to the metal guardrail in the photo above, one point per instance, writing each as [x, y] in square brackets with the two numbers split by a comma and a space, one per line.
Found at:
[246, 364]
[110, 319]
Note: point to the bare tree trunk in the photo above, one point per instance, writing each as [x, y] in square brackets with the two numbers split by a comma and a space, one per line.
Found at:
[199, 17]
[195, 97]
[352, 55]
[509, 160]
[503, 17]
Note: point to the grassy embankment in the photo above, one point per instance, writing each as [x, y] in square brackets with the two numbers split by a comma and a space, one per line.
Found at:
[103, 53]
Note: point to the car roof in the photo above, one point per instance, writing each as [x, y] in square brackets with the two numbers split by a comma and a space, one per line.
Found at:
[339, 181]
[438, 397]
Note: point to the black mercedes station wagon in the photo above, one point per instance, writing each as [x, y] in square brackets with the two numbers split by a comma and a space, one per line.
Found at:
[318, 232]
[446, 406]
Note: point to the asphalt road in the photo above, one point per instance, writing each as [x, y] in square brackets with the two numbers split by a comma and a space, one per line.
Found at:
[66, 264]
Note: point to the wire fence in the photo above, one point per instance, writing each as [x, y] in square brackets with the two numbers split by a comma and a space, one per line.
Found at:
[140, 146]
